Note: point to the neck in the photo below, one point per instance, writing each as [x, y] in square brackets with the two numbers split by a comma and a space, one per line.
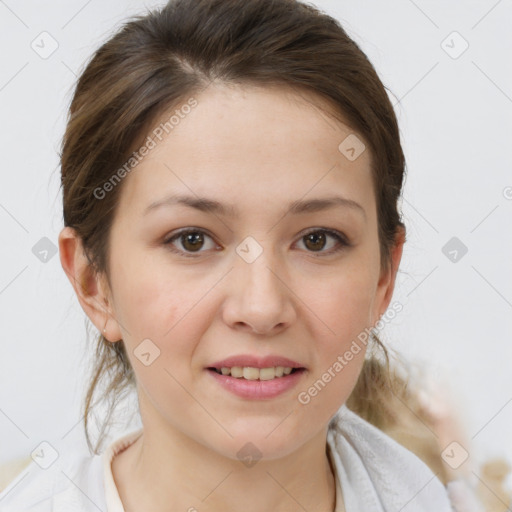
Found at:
[176, 473]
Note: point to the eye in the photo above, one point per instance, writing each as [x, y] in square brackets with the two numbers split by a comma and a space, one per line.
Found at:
[316, 240]
[191, 241]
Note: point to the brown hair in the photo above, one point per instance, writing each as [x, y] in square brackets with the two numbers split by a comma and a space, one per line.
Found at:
[158, 60]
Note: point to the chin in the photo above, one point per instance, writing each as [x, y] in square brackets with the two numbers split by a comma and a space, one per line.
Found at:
[256, 441]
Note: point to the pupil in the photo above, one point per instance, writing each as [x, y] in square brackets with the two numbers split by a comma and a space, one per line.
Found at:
[315, 237]
[193, 238]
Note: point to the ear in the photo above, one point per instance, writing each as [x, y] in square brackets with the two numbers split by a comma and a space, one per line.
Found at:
[91, 289]
[387, 279]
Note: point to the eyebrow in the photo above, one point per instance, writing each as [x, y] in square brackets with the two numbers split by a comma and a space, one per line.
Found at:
[206, 204]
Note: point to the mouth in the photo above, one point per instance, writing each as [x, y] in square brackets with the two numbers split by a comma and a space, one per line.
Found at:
[256, 377]
[252, 383]
[252, 373]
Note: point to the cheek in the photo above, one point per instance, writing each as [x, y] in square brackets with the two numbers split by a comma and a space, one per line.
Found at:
[341, 303]
[166, 314]
[151, 304]
[341, 332]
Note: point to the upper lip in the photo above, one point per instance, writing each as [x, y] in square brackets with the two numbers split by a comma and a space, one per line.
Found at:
[255, 362]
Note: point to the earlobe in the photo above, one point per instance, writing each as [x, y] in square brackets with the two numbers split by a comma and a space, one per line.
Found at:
[90, 289]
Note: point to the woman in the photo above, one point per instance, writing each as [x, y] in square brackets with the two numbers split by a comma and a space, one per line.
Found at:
[230, 172]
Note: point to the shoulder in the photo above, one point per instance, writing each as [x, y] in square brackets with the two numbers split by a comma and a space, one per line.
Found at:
[377, 467]
[72, 482]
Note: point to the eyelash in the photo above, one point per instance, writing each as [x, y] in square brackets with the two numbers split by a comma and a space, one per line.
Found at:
[340, 237]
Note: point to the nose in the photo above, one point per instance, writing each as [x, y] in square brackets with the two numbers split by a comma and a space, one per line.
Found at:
[259, 299]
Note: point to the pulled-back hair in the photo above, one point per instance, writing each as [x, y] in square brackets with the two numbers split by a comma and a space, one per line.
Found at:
[159, 60]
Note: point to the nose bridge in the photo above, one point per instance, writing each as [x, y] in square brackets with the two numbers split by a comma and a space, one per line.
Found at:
[258, 295]
[258, 266]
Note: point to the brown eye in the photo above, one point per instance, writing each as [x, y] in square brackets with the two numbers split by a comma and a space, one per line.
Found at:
[191, 241]
[315, 241]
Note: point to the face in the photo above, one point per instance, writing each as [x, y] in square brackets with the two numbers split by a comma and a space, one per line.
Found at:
[254, 278]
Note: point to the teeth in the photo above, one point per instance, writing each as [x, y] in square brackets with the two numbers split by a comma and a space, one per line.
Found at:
[266, 373]
[250, 373]
[236, 371]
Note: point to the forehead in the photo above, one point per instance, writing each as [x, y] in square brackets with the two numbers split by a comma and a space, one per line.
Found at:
[238, 143]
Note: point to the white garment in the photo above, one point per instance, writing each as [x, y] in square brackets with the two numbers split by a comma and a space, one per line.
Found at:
[375, 472]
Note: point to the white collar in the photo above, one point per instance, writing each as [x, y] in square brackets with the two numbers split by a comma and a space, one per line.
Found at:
[377, 473]
[374, 472]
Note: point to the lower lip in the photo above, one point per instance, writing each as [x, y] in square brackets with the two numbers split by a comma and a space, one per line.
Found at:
[257, 389]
